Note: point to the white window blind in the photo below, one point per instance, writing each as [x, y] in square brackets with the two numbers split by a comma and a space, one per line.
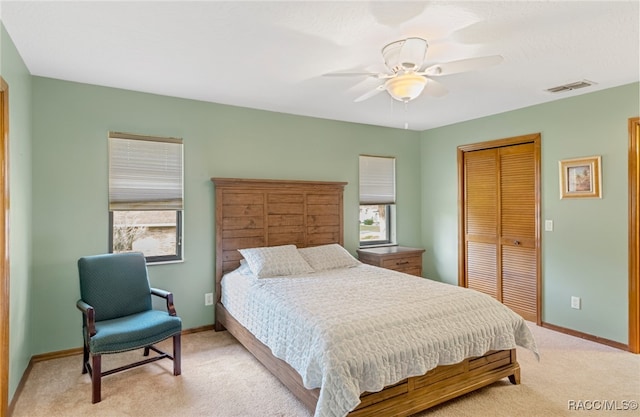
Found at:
[377, 180]
[145, 173]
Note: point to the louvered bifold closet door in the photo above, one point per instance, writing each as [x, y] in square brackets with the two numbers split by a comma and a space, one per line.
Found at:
[481, 220]
[518, 229]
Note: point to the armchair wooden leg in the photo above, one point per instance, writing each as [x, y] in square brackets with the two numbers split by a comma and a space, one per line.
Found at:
[96, 375]
[85, 359]
[146, 351]
[176, 355]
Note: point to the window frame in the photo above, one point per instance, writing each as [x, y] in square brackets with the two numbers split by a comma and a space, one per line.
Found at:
[177, 208]
[388, 220]
[156, 259]
[374, 191]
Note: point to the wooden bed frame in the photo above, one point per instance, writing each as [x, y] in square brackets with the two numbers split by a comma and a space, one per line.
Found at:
[257, 213]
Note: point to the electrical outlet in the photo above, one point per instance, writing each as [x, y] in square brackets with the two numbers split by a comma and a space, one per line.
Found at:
[208, 299]
[575, 302]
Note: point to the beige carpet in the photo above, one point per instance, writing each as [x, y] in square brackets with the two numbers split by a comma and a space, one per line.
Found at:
[220, 378]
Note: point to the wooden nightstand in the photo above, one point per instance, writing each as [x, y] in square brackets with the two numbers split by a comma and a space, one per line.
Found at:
[398, 258]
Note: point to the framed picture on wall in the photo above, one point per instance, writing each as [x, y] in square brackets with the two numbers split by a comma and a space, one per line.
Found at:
[580, 178]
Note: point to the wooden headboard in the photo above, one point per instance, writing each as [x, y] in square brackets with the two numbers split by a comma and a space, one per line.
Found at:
[255, 213]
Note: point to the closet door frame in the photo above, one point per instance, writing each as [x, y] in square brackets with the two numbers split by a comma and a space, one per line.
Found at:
[4, 247]
[634, 235]
[462, 252]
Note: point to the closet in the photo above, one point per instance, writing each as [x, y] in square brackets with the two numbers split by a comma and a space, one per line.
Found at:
[499, 190]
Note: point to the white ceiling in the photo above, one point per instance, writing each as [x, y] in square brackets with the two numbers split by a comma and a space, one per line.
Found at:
[271, 54]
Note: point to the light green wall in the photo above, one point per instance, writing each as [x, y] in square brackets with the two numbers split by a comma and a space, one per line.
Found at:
[586, 254]
[70, 128]
[17, 76]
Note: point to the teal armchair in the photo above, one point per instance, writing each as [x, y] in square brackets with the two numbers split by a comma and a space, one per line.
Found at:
[117, 314]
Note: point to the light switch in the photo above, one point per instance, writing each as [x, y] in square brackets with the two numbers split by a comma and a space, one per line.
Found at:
[548, 225]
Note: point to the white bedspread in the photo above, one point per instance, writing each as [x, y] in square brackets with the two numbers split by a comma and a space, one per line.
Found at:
[360, 329]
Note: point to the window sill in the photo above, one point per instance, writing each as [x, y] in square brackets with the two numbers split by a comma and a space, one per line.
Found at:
[382, 245]
[165, 262]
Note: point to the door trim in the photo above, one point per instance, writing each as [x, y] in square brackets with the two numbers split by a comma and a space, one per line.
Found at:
[634, 235]
[4, 247]
[498, 143]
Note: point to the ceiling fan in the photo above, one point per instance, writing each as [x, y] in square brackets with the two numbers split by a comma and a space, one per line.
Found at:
[407, 78]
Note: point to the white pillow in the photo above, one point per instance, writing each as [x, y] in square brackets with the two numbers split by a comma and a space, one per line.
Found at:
[332, 256]
[275, 261]
[244, 268]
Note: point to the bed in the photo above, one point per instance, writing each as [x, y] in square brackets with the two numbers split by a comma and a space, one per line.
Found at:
[299, 215]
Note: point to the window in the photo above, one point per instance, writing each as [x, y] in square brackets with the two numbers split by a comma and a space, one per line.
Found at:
[145, 196]
[377, 200]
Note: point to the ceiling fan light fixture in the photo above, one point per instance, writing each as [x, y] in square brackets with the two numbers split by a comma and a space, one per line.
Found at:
[405, 87]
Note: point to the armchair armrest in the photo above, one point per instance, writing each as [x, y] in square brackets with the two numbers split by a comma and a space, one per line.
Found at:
[89, 316]
[167, 296]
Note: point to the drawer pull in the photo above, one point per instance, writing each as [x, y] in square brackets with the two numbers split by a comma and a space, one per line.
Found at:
[402, 263]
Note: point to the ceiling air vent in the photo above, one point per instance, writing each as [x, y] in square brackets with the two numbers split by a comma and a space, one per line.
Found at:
[570, 86]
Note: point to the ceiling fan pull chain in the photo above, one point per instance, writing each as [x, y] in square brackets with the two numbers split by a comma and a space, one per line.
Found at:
[406, 114]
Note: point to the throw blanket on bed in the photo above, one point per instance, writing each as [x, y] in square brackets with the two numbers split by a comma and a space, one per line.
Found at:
[360, 329]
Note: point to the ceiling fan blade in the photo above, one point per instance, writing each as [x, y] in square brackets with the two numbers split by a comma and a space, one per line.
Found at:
[363, 85]
[463, 65]
[435, 89]
[413, 51]
[405, 55]
[370, 94]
